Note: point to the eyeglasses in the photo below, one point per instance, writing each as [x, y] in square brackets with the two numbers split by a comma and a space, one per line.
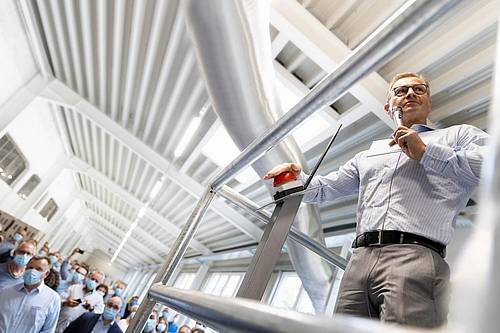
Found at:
[419, 89]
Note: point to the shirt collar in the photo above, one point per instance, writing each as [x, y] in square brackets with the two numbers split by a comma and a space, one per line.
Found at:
[420, 128]
[20, 287]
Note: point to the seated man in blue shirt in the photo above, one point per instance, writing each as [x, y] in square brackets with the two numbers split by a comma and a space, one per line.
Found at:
[31, 306]
[410, 189]
[90, 322]
[11, 272]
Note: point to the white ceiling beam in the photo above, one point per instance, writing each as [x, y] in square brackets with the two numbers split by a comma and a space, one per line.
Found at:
[143, 233]
[20, 100]
[58, 92]
[81, 166]
[325, 49]
[481, 61]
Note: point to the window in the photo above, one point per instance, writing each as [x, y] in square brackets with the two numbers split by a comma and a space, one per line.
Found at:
[49, 209]
[223, 284]
[29, 186]
[290, 294]
[184, 280]
[12, 162]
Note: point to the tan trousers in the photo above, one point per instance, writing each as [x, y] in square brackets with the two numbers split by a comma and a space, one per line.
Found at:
[405, 284]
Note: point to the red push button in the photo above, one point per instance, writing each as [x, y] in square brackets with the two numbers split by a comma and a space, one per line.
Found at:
[284, 177]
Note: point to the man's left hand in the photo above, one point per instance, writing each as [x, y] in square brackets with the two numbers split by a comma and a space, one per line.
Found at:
[409, 141]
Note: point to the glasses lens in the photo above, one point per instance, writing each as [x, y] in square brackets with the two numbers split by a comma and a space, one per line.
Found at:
[420, 89]
[400, 91]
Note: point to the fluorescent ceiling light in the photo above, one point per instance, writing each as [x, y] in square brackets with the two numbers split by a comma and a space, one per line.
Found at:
[193, 126]
[222, 150]
[156, 188]
[141, 213]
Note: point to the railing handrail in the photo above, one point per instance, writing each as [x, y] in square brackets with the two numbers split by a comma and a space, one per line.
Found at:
[240, 315]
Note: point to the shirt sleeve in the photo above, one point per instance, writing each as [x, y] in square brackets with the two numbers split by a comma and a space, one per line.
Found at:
[461, 162]
[65, 270]
[99, 306]
[337, 184]
[51, 320]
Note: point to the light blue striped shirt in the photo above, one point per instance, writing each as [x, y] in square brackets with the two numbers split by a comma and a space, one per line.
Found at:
[425, 197]
[34, 312]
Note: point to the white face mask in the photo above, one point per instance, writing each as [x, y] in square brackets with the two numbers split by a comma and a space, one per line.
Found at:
[100, 292]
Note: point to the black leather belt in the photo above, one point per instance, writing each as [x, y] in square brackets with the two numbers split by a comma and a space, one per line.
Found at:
[383, 237]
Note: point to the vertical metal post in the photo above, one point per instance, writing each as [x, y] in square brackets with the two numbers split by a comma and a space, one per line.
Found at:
[173, 259]
[269, 250]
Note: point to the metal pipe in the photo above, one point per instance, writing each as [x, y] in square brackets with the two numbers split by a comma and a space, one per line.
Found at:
[410, 21]
[246, 316]
[173, 259]
[298, 236]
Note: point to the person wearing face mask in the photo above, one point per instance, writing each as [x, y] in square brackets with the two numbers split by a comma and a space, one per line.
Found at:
[54, 261]
[11, 243]
[11, 272]
[75, 277]
[31, 306]
[150, 324]
[94, 323]
[67, 264]
[118, 291]
[134, 300]
[162, 325]
[80, 298]
[102, 290]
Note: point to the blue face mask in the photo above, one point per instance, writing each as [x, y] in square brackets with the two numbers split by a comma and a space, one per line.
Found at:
[118, 291]
[42, 253]
[90, 284]
[32, 277]
[18, 237]
[109, 314]
[21, 260]
[78, 277]
[149, 325]
[53, 260]
[161, 327]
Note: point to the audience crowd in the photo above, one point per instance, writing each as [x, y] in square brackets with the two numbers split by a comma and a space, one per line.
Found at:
[44, 292]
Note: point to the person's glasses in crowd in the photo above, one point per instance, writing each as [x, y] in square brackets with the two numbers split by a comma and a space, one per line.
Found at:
[418, 89]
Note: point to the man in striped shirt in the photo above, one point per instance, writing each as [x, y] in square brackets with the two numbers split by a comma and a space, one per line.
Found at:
[410, 193]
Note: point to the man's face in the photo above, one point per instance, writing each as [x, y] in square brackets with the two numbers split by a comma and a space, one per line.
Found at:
[40, 265]
[96, 277]
[120, 285]
[81, 270]
[25, 248]
[416, 108]
[184, 329]
[114, 303]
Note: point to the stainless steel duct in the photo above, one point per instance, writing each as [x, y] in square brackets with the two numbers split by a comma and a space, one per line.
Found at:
[233, 48]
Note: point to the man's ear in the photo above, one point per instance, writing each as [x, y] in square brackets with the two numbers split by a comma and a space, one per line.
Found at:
[386, 107]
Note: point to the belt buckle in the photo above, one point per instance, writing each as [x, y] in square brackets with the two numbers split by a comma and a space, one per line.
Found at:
[379, 241]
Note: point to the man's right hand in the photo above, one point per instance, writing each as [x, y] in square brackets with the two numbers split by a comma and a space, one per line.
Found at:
[71, 303]
[295, 168]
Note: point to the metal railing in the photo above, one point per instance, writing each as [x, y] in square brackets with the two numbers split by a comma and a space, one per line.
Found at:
[411, 20]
